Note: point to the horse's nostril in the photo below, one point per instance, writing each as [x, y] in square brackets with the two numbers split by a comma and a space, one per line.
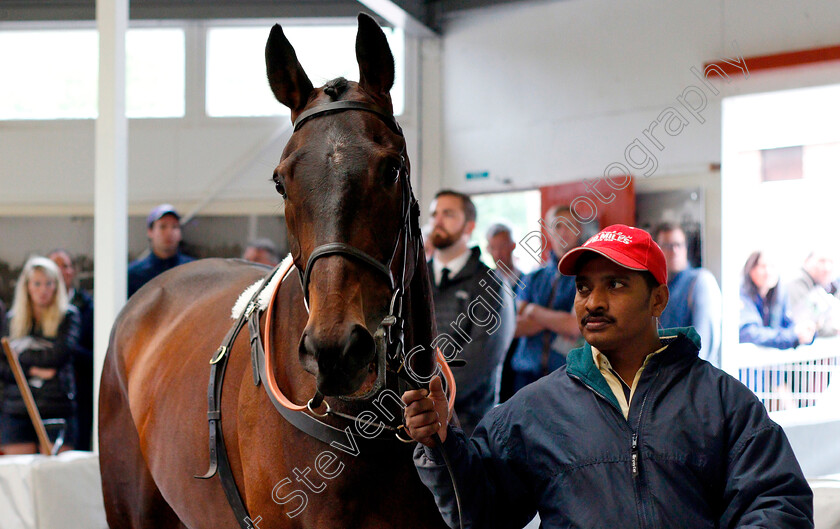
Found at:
[360, 347]
[308, 353]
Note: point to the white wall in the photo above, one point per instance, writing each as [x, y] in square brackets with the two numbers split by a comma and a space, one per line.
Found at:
[549, 92]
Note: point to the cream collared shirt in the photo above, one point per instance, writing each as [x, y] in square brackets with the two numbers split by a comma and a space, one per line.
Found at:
[617, 385]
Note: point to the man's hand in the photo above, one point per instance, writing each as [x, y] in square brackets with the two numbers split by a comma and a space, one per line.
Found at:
[805, 332]
[426, 413]
[44, 373]
[526, 324]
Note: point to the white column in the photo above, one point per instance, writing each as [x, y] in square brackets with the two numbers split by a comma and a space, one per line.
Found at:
[430, 124]
[110, 226]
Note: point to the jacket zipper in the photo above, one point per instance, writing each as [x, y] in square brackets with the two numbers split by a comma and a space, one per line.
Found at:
[635, 469]
[635, 462]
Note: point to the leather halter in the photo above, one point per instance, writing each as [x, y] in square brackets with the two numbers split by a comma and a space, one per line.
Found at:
[341, 106]
[389, 337]
[340, 248]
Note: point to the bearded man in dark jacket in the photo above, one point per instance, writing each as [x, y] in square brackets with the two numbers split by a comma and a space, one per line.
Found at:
[473, 308]
[634, 431]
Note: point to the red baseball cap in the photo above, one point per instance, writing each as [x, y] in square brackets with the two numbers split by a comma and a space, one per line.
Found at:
[631, 248]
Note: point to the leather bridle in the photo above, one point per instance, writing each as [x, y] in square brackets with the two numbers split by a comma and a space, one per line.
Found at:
[389, 336]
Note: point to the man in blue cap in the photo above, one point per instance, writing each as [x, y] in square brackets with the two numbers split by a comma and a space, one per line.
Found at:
[163, 228]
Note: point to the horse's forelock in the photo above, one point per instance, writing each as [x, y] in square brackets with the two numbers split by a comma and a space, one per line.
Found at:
[336, 88]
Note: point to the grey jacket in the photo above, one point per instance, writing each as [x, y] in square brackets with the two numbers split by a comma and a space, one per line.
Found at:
[475, 321]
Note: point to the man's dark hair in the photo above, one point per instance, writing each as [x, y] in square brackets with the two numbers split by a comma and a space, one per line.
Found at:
[665, 227]
[649, 280]
[466, 202]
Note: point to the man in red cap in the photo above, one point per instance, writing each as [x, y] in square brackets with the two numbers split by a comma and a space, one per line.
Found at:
[634, 431]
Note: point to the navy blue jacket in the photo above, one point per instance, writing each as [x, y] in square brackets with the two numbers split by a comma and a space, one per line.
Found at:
[143, 270]
[697, 451]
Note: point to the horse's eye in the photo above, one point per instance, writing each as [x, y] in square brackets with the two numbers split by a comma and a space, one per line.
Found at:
[393, 171]
[280, 185]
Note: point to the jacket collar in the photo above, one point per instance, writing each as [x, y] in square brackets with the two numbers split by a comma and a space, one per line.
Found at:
[468, 270]
[681, 342]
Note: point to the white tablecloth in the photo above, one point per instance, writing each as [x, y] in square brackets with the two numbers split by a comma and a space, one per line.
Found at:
[62, 492]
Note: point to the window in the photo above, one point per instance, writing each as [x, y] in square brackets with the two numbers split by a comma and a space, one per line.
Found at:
[518, 209]
[54, 73]
[154, 78]
[236, 80]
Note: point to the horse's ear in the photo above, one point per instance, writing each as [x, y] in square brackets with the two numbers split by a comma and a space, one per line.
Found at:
[376, 64]
[288, 81]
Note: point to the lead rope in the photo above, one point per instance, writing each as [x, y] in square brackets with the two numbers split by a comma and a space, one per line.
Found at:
[439, 356]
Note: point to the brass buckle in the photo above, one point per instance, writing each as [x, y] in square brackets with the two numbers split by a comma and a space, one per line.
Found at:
[220, 352]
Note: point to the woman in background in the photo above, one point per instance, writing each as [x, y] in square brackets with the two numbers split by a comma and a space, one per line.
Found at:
[44, 332]
[764, 309]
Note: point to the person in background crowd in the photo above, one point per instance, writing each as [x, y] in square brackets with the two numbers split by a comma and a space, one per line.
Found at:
[83, 358]
[262, 251]
[810, 299]
[44, 330]
[546, 328]
[695, 295]
[471, 306]
[634, 431]
[163, 228]
[764, 309]
[500, 246]
[3, 332]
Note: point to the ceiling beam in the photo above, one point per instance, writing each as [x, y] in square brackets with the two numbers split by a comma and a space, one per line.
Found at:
[408, 15]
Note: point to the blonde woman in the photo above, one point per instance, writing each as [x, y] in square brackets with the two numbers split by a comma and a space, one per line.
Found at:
[44, 332]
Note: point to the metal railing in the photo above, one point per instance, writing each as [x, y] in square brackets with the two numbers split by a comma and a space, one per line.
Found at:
[789, 378]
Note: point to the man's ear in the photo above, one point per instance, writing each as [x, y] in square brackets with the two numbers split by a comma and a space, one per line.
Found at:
[469, 227]
[659, 299]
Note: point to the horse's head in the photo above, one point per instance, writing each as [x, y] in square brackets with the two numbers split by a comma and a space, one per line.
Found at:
[344, 178]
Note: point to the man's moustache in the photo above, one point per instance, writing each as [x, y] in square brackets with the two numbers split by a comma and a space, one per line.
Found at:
[600, 315]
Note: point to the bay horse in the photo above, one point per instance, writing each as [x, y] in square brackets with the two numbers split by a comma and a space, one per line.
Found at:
[352, 228]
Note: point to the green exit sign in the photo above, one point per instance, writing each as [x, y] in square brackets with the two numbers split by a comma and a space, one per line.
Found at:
[478, 174]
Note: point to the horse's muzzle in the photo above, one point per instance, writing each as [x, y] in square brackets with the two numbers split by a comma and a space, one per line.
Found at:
[340, 366]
